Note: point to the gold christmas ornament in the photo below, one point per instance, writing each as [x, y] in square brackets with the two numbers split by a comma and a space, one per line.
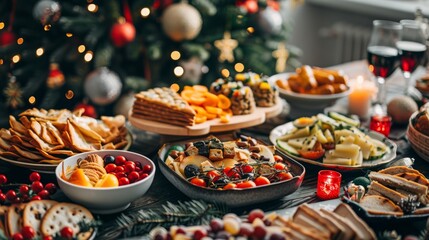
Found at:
[226, 47]
[13, 93]
[181, 21]
[281, 54]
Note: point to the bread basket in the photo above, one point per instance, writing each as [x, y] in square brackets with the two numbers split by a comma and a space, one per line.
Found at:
[418, 141]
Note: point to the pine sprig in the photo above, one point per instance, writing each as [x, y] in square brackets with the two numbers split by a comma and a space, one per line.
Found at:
[183, 213]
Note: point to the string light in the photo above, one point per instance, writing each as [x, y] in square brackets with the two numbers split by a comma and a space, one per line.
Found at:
[16, 58]
[20, 41]
[225, 72]
[179, 71]
[32, 100]
[88, 56]
[81, 48]
[69, 34]
[1, 25]
[92, 7]
[69, 94]
[47, 27]
[90, 1]
[250, 30]
[1, 61]
[239, 67]
[175, 55]
[145, 12]
[40, 51]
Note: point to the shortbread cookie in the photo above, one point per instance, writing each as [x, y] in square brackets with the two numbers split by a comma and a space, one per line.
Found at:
[66, 215]
[14, 218]
[34, 212]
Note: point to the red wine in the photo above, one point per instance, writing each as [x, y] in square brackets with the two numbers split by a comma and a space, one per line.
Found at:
[382, 60]
[411, 55]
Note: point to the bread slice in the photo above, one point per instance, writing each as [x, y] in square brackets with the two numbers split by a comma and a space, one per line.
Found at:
[307, 217]
[66, 214]
[364, 231]
[380, 205]
[14, 218]
[418, 178]
[399, 169]
[385, 192]
[34, 212]
[423, 210]
[348, 229]
[298, 232]
[398, 183]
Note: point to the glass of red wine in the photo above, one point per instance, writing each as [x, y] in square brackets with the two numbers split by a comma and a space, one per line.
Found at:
[383, 57]
[412, 50]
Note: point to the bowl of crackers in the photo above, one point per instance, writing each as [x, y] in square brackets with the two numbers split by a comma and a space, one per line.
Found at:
[310, 90]
[105, 181]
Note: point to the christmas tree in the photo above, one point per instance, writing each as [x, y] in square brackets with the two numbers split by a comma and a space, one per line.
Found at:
[96, 54]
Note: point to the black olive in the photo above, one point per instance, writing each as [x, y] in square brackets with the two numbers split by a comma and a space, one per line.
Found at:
[191, 170]
[248, 176]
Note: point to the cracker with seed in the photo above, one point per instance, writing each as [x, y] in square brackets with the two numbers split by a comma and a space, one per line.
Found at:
[34, 212]
[13, 218]
[66, 215]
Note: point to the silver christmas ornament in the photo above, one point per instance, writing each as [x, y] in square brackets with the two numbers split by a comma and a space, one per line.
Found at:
[269, 21]
[47, 12]
[102, 86]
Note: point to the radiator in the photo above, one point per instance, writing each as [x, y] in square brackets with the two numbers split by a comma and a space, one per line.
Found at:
[350, 41]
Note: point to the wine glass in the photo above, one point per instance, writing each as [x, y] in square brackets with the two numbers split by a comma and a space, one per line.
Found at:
[412, 50]
[383, 57]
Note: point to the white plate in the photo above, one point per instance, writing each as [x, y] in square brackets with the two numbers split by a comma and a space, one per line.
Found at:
[305, 104]
[387, 158]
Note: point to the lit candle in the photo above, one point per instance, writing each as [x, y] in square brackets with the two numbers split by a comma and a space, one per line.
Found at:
[381, 124]
[360, 97]
[328, 184]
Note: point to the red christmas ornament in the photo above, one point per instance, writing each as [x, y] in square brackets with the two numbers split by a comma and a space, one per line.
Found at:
[55, 77]
[89, 110]
[274, 4]
[251, 6]
[161, 4]
[7, 38]
[122, 33]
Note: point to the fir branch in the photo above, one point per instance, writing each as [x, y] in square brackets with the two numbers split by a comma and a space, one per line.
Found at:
[183, 213]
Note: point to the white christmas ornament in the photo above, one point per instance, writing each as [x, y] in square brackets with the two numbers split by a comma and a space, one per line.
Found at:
[181, 21]
[102, 86]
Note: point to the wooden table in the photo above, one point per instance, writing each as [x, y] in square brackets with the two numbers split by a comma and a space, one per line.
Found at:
[162, 191]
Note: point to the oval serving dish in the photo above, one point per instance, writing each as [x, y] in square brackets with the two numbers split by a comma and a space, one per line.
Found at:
[234, 197]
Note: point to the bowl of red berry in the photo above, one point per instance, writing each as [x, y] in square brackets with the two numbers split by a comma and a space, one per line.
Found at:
[105, 181]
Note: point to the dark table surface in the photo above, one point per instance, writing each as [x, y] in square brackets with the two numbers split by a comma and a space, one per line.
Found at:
[162, 191]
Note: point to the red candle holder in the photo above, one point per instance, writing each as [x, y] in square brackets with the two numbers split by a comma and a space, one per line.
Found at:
[381, 124]
[328, 184]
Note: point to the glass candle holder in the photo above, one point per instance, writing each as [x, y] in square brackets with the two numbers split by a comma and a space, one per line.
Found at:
[328, 184]
[381, 124]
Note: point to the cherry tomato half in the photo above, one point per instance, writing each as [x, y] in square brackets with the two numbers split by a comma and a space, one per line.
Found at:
[284, 175]
[198, 182]
[230, 186]
[246, 184]
[280, 166]
[313, 155]
[213, 175]
[261, 180]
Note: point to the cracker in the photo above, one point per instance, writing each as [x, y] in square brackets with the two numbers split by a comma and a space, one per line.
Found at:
[14, 218]
[34, 212]
[66, 214]
[3, 210]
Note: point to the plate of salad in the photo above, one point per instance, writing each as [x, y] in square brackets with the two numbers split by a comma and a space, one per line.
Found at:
[333, 141]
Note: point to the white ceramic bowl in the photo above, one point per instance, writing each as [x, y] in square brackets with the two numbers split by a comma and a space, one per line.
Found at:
[302, 105]
[105, 200]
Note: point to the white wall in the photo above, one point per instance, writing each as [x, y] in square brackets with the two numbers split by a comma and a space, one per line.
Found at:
[315, 16]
